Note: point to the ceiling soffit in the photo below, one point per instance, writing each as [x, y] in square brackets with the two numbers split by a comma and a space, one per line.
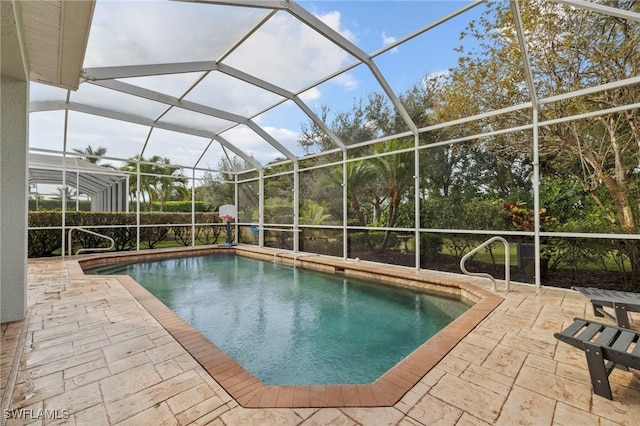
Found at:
[56, 35]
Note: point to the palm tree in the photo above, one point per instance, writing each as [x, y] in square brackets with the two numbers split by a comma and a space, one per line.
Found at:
[313, 214]
[158, 188]
[358, 173]
[397, 170]
[147, 183]
[91, 155]
[171, 183]
[65, 192]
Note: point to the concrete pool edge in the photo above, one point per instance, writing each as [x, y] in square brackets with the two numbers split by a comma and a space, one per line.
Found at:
[249, 392]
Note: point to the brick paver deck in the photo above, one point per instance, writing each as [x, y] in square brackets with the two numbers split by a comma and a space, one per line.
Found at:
[89, 352]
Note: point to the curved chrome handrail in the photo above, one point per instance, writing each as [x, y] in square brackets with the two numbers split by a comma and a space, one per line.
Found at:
[74, 228]
[507, 267]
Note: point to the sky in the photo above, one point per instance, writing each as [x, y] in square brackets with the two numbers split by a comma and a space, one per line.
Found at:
[283, 52]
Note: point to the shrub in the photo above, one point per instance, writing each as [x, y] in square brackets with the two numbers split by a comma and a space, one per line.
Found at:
[430, 246]
[44, 242]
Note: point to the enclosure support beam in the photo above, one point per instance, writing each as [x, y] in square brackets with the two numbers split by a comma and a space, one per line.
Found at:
[296, 206]
[260, 205]
[605, 10]
[77, 186]
[126, 194]
[64, 181]
[416, 200]
[536, 195]
[345, 205]
[536, 158]
[138, 205]
[193, 207]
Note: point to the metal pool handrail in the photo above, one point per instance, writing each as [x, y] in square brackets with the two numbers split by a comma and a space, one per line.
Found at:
[507, 268]
[74, 228]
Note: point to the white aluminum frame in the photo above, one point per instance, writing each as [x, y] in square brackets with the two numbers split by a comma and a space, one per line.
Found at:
[110, 78]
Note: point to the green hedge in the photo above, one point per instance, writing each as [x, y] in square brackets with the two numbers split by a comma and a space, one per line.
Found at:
[47, 242]
[85, 205]
[175, 206]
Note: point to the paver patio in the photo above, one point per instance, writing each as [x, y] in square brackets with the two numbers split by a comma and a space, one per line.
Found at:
[90, 353]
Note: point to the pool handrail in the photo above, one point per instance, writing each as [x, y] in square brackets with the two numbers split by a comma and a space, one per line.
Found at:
[78, 228]
[507, 266]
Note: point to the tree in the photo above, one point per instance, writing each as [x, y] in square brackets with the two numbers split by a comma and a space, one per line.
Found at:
[93, 156]
[358, 174]
[312, 136]
[65, 192]
[313, 214]
[366, 120]
[497, 166]
[159, 180]
[170, 184]
[397, 171]
[214, 191]
[146, 181]
[569, 49]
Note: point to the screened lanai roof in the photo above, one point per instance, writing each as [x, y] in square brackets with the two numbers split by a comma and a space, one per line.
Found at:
[198, 81]
[85, 177]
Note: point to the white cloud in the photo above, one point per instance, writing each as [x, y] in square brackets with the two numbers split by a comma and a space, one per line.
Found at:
[387, 40]
[133, 32]
[184, 149]
[252, 144]
[288, 53]
[121, 139]
[311, 95]
[334, 21]
[346, 80]
[284, 52]
[287, 138]
[230, 94]
[437, 74]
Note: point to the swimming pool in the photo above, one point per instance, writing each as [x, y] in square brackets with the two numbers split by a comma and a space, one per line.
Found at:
[292, 326]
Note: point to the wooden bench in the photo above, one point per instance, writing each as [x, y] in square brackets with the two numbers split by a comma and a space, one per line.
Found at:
[606, 347]
[622, 302]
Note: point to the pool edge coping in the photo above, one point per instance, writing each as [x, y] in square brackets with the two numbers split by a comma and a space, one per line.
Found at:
[249, 392]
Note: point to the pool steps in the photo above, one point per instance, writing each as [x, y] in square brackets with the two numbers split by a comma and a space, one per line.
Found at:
[295, 255]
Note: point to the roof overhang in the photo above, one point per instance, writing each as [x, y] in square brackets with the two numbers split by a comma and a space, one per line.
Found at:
[56, 35]
[12, 63]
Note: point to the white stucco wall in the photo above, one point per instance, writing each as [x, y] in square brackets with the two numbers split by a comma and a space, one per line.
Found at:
[14, 96]
[13, 197]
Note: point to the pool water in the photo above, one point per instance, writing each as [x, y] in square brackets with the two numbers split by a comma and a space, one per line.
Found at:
[293, 326]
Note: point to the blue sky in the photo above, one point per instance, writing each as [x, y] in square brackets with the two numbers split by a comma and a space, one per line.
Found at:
[282, 52]
[371, 25]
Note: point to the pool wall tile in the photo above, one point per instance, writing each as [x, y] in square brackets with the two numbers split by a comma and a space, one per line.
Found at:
[269, 396]
[301, 396]
[318, 396]
[285, 396]
[334, 396]
[350, 396]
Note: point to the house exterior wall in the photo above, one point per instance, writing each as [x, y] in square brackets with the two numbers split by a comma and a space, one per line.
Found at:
[14, 101]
